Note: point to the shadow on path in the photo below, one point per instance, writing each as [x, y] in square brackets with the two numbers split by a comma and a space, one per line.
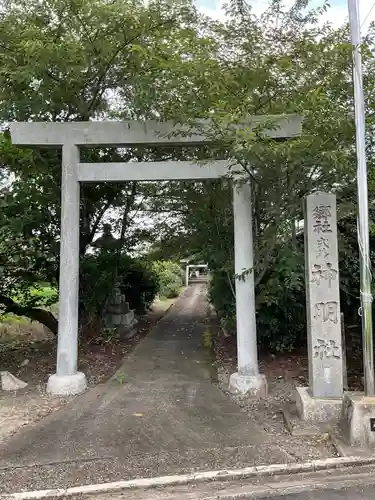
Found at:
[159, 415]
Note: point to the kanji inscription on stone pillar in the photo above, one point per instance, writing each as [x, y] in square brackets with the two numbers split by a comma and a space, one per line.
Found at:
[323, 297]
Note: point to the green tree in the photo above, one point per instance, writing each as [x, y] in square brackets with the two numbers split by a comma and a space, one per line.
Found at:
[64, 61]
[284, 61]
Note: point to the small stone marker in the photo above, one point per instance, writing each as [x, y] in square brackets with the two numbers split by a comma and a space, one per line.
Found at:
[323, 297]
[11, 383]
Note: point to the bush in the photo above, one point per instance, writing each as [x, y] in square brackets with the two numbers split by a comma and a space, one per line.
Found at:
[281, 297]
[170, 278]
[221, 296]
[100, 272]
[280, 302]
[97, 278]
[45, 295]
[139, 283]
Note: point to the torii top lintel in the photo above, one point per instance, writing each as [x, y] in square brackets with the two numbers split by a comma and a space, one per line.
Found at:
[133, 133]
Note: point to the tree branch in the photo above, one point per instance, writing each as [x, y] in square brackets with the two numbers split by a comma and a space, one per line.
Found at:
[98, 219]
[129, 204]
[34, 313]
[99, 91]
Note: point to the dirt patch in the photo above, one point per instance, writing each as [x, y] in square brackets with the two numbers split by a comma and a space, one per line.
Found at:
[30, 354]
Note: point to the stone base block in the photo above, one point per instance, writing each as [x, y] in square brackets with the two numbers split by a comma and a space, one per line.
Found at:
[116, 320]
[123, 308]
[317, 409]
[68, 385]
[127, 331]
[358, 420]
[128, 319]
[298, 427]
[255, 385]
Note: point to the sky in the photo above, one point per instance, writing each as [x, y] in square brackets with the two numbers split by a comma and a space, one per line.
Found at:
[337, 13]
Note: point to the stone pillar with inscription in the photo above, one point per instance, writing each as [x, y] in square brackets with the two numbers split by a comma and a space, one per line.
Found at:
[322, 400]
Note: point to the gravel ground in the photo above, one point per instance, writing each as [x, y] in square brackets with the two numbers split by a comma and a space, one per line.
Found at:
[283, 374]
[19, 410]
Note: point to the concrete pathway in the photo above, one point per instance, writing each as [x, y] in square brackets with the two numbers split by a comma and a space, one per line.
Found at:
[159, 415]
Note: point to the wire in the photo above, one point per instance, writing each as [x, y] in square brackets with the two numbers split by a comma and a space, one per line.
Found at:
[368, 14]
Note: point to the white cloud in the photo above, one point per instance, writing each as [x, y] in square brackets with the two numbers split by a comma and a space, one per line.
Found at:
[216, 13]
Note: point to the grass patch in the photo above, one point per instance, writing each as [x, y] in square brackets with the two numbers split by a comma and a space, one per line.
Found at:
[39, 295]
[16, 329]
[13, 319]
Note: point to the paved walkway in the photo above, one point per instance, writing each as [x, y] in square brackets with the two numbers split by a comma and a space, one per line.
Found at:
[161, 415]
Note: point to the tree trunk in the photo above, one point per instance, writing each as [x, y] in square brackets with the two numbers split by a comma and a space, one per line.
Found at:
[34, 313]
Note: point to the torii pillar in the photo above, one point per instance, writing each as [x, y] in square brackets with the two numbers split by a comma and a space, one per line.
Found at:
[247, 379]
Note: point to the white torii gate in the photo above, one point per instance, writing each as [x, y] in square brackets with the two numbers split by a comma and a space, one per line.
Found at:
[71, 137]
[188, 267]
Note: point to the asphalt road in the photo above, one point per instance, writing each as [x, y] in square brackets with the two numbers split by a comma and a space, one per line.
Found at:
[356, 493]
[356, 483]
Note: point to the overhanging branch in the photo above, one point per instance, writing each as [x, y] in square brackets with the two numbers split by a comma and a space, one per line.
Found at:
[34, 313]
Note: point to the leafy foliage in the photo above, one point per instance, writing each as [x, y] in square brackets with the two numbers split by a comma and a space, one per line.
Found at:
[169, 278]
[140, 284]
[285, 61]
[100, 272]
[79, 60]
[40, 294]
